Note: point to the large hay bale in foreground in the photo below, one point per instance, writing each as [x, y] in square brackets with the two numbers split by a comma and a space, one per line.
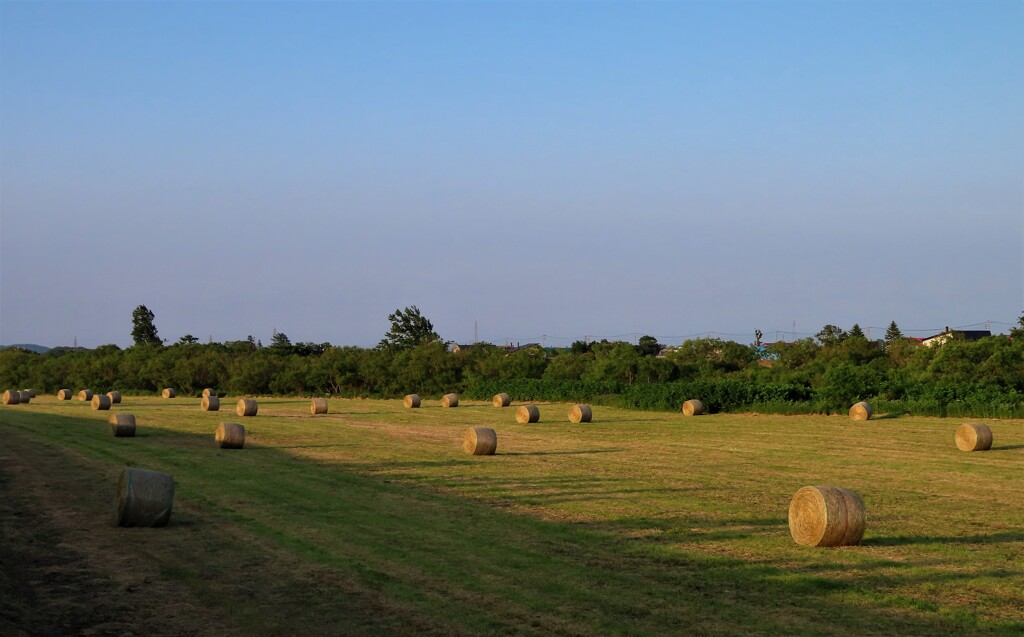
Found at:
[581, 413]
[527, 413]
[122, 425]
[24, 397]
[318, 406]
[973, 436]
[480, 441]
[861, 411]
[209, 392]
[246, 407]
[115, 397]
[693, 408]
[85, 395]
[450, 400]
[210, 403]
[100, 402]
[64, 394]
[169, 393]
[501, 400]
[411, 401]
[230, 435]
[826, 516]
[144, 498]
[11, 397]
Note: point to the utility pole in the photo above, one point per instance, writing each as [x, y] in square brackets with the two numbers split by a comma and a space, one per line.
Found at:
[476, 333]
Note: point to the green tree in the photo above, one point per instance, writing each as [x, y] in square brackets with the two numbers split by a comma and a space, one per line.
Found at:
[143, 328]
[648, 346]
[892, 333]
[409, 328]
[188, 339]
[855, 332]
[280, 343]
[830, 335]
[1018, 332]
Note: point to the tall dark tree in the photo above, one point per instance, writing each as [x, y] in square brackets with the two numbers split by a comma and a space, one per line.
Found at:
[409, 328]
[855, 332]
[188, 339]
[1018, 331]
[893, 333]
[143, 328]
[280, 342]
[830, 335]
[648, 346]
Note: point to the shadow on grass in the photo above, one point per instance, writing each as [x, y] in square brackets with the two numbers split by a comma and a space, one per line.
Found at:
[1007, 448]
[558, 453]
[903, 540]
[888, 416]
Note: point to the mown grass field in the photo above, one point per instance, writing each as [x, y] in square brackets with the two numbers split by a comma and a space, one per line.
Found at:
[372, 520]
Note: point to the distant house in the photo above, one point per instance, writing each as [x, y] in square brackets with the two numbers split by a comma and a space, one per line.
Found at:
[945, 335]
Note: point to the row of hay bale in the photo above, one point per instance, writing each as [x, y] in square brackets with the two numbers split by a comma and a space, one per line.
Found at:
[18, 396]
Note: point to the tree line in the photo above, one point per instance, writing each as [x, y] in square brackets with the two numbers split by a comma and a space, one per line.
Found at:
[983, 378]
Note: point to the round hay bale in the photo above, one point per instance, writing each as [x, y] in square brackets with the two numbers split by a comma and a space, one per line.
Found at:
[246, 407]
[861, 411]
[973, 436]
[826, 516]
[169, 393]
[581, 413]
[31, 393]
[230, 435]
[122, 425]
[144, 498]
[450, 400]
[85, 395]
[693, 408]
[209, 392]
[318, 406]
[480, 441]
[64, 394]
[411, 401]
[210, 403]
[11, 397]
[100, 402]
[527, 413]
[501, 400]
[24, 397]
[115, 397]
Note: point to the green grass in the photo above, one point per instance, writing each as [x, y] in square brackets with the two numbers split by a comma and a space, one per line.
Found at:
[371, 519]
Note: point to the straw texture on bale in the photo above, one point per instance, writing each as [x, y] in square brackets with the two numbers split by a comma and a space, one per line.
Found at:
[31, 393]
[480, 441]
[100, 402]
[581, 413]
[501, 400]
[210, 403]
[826, 516]
[12, 397]
[168, 393]
[64, 394]
[693, 408]
[115, 397]
[230, 435]
[318, 406]
[122, 425]
[411, 401]
[144, 498]
[973, 436]
[85, 395]
[209, 392]
[527, 413]
[246, 407]
[861, 411]
[24, 397]
[450, 400]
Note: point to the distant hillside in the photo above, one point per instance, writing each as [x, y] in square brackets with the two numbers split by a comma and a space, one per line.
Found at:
[32, 347]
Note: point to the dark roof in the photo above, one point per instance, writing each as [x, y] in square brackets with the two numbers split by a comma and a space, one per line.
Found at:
[967, 335]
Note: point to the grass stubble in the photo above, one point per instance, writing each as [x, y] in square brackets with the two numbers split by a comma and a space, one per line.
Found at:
[372, 520]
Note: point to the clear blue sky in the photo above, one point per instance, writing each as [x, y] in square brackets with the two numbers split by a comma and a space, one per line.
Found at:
[557, 169]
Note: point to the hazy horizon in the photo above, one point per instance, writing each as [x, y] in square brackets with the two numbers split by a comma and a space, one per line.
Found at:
[545, 171]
